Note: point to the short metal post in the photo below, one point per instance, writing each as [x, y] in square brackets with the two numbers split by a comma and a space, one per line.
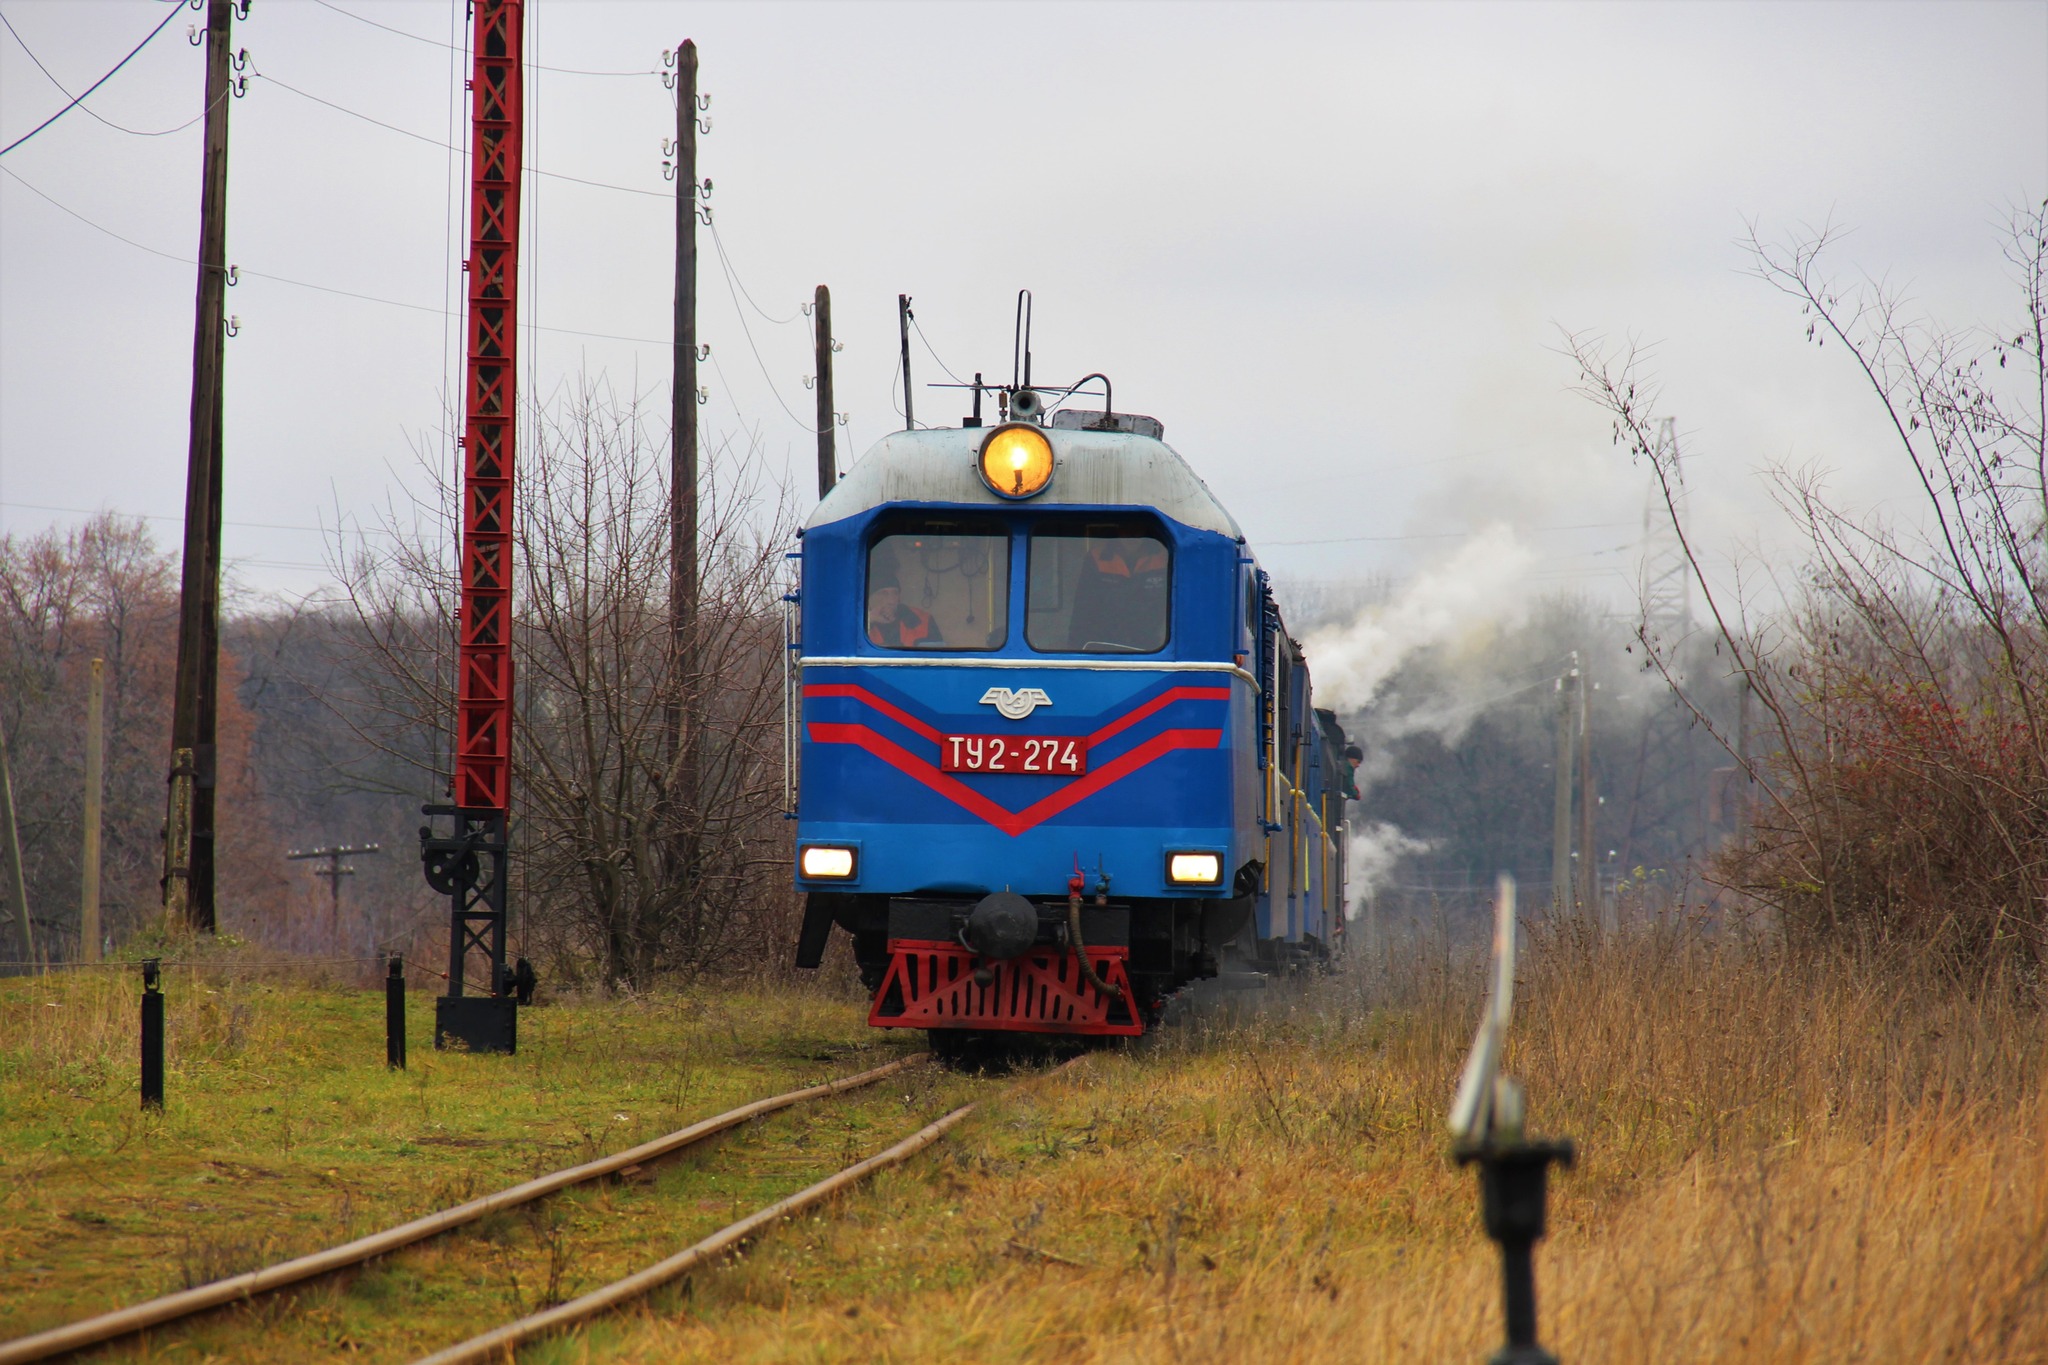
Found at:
[152, 1036]
[394, 1014]
[1514, 1181]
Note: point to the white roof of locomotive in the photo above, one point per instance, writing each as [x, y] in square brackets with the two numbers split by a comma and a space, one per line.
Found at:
[1090, 468]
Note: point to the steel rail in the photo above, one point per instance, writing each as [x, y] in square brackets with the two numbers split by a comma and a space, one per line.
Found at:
[494, 1344]
[500, 1342]
[107, 1326]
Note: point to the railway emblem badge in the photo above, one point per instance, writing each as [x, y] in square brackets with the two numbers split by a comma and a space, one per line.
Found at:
[1018, 704]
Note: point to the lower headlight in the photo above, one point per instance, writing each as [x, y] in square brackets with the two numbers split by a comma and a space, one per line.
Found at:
[827, 862]
[1194, 869]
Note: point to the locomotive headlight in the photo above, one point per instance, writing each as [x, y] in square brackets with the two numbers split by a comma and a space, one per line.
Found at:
[1194, 869]
[827, 862]
[1016, 460]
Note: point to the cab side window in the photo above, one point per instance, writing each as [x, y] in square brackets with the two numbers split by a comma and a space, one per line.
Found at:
[939, 584]
[1099, 587]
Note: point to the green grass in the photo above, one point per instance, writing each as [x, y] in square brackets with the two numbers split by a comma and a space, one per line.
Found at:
[284, 1132]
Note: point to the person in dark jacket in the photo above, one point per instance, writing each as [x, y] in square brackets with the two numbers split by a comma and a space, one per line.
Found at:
[892, 622]
[1120, 602]
[1353, 756]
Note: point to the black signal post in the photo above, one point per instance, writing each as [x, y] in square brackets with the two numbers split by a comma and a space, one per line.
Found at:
[1514, 1197]
[394, 1014]
[152, 1037]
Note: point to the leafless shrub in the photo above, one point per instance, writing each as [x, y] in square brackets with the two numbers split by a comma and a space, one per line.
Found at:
[1903, 671]
[642, 848]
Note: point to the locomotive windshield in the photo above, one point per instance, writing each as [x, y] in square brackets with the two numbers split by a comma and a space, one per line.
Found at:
[1098, 587]
[939, 584]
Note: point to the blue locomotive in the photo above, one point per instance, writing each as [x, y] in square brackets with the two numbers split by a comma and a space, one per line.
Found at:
[1055, 754]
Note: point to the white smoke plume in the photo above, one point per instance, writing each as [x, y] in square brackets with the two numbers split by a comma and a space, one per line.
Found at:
[1376, 846]
[1463, 601]
[1481, 585]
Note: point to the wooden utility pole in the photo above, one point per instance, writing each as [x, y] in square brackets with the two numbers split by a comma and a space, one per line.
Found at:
[334, 872]
[682, 491]
[17, 884]
[1561, 810]
[1589, 858]
[194, 708]
[178, 839]
[95, 787]
[828, 459]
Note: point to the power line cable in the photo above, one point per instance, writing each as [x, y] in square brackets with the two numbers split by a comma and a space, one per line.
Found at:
[529, 306]
[307, 284]
[733, 271]
[436, 42]
[436, 142]
[165, 516]
[919, 329]
[451, 382]
[10, 173]
[731, 288]
[76, 100]
[117, 127]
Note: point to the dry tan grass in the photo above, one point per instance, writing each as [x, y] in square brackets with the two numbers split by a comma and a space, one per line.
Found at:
[78, 1028]
[1783, 1160]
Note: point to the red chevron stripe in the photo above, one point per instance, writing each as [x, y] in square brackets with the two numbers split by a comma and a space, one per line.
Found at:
[1158, 703]
[895, 713]
[1009, 822]
[1117, 726]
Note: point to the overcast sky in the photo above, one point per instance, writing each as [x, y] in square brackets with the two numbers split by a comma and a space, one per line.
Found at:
[1328, 245]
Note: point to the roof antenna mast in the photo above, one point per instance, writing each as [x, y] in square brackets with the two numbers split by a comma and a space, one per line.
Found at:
[1020, 343]
[903, 317]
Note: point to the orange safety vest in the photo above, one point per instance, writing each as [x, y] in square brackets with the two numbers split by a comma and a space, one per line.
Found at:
[1110, 561]
[910, 626]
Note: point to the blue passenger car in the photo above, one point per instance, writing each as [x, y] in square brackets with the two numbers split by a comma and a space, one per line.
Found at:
[1056, 756]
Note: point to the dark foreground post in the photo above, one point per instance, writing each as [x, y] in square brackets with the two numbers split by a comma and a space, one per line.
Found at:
[394, 1014]
[1514, 1169]
[1514, 1193]
[152, 1037]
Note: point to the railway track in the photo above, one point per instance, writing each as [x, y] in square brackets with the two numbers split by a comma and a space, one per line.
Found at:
[500, 1342]
[170, 1308]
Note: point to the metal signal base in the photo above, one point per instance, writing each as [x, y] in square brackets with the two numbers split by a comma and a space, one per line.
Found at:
[469, 867]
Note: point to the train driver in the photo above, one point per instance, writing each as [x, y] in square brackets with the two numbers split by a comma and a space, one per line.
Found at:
[892, 622]
[1121, 602]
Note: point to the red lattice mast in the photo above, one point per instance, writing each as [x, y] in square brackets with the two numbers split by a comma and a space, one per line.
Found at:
[483, 689]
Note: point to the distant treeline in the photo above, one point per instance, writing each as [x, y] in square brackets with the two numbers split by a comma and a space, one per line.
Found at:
[647, 831]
